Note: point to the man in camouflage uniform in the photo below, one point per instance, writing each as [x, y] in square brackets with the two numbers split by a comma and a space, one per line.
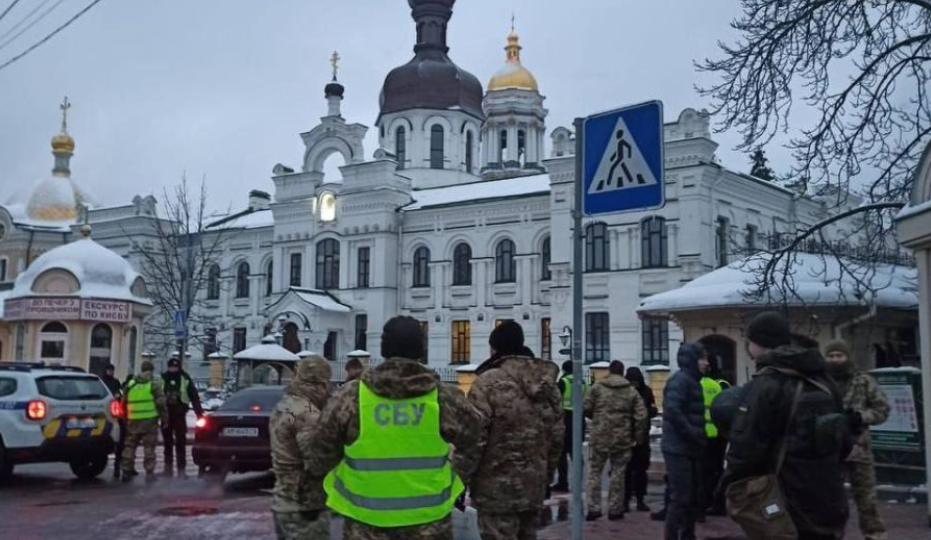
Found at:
[402, 376]
[142, 431]
[299, 506]
[619, 418]
[865, 406]
[521, 437]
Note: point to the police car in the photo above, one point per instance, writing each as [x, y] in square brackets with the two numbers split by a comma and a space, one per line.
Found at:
[55, 414]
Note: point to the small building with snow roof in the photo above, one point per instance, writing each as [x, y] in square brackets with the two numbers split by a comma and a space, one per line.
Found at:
[875, 307]
[79, 305]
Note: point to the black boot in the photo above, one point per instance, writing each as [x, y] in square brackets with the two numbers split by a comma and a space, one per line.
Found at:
[659, 515]
[592, 516]
[642, 506]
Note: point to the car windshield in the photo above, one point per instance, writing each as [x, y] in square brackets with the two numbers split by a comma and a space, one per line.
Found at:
[265, 399]
[71, 388]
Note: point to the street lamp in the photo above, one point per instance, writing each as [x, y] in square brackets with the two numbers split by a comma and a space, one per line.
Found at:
[565, 337]
[279, 335]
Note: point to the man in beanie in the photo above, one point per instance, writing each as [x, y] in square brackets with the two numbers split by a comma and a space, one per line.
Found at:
[865, 405]
[180, 396]
[521, 437]
[144, 403]
[299, 506]
[792, 377]
[387, 438]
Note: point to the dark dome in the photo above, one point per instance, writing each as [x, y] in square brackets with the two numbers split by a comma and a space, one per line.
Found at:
[431, 80]
[334, 89]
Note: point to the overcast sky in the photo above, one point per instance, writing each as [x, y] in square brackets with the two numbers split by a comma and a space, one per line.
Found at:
[222, 88]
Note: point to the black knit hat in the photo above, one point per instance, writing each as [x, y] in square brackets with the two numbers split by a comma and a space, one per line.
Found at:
[402, 337]
[769, 330]
[174, 362]
[507, 338]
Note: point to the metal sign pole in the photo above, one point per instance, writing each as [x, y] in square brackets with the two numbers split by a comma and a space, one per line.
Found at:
[577, 335]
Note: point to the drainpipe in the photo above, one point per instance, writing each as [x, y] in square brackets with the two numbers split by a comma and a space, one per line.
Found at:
[32, 234]
[839, 329]
[400, 266]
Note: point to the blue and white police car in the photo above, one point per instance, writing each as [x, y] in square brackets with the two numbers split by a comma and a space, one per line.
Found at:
[55, 414]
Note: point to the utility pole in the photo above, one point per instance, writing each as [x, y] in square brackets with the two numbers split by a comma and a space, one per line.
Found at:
[577, 335]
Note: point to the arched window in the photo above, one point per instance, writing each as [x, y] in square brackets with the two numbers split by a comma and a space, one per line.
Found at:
[596, 247]
[101, 348]
[422, 267]
[653, 240]
[470, 143]
[462, 265]
[53, 342]
[213, 282]
[437, 150]
[546, 256]
[400, 146]
[328, 264]
[522, 146]
[505, 264]
[242, 280]
[269, 275]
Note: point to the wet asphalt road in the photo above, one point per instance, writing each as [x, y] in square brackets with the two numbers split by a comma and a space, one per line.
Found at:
[45, 502]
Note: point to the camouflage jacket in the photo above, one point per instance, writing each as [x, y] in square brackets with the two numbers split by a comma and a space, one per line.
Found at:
[397, 378]
[863, 395]
[620, 419]
[521, 436]
[292, 428]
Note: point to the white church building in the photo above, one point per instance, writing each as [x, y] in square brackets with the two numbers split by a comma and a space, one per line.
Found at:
[460, 218]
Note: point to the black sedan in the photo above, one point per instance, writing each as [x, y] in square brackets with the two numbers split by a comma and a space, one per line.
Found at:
[235, 438]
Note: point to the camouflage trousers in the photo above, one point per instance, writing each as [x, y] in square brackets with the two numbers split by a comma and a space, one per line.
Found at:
[438, 530]
[144, 432]
[522, 526]
[863, 485]
[302, 525]
[618, 461]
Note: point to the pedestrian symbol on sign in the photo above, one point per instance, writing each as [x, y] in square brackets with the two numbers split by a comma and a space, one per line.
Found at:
[623, 168]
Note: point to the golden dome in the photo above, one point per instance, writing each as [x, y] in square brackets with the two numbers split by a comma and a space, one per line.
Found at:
[513, 75]
[62, 144]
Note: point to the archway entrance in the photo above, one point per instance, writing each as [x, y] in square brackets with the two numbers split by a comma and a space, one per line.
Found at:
[723, 350]
[290, 339]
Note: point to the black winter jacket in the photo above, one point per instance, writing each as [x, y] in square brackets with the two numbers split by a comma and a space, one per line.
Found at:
[812, 473]
[684, 406]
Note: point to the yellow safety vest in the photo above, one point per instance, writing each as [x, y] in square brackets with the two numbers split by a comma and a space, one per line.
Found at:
[712, 389]
[397, 473]
[140, 402]
[567, 392]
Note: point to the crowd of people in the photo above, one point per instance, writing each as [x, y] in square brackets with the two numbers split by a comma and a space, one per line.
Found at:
[394, 449]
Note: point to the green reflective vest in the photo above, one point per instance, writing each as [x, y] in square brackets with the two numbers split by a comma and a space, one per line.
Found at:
[567, 392]
[397, 473]
[140, 402]
[180, 393]
[711, 389]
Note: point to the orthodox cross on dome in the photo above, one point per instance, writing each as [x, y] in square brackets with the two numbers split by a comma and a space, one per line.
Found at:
[513, 22]
[334, 61]
[65, 105]
[513, 48]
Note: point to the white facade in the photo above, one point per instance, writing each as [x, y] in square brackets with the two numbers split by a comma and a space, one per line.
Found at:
[386, 210]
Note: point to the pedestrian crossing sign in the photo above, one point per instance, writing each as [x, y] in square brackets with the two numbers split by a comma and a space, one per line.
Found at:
[622, 160]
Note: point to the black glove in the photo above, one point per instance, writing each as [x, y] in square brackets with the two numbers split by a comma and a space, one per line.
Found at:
[460, 503]
[855, 422]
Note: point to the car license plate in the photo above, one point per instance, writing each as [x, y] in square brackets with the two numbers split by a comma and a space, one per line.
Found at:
[81, 423]
[241, 432]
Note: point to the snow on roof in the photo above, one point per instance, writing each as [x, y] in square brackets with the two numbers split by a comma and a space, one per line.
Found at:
[477, 191]
[815, 282]
[322, 300]
[248, 219]
[101, 273]
[910, 210]
[268, 350]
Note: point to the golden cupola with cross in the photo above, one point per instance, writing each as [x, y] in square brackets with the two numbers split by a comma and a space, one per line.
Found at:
[513, 75]
[57, 199]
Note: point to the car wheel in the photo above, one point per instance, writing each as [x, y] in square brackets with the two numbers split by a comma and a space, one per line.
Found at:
[6, 466]
[90, 467]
